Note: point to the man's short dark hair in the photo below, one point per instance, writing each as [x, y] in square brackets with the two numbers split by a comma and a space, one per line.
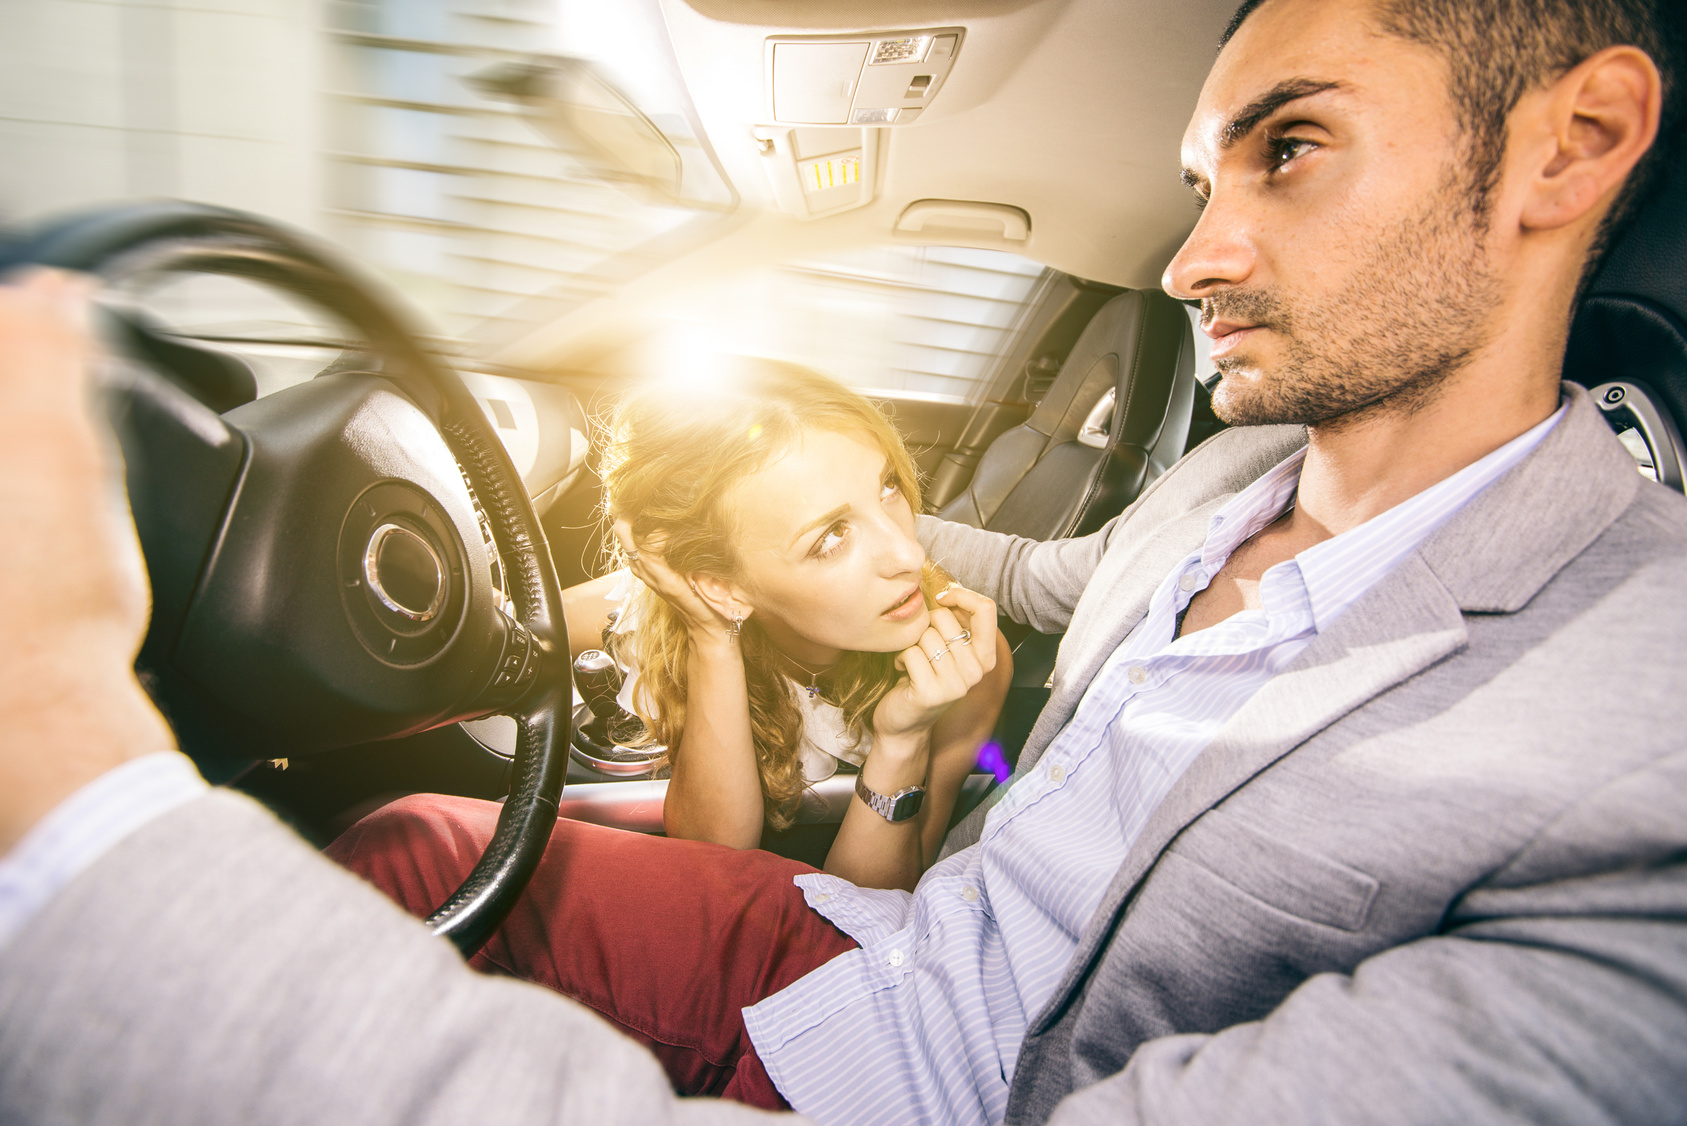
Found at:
[1498, 50]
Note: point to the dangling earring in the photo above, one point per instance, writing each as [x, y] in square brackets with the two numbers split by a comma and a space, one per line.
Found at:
[732, 630]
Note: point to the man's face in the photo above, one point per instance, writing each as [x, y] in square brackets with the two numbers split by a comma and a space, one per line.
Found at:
[1339, 259]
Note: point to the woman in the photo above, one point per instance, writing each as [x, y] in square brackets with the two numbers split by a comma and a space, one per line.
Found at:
[801, 632]
[783, 606]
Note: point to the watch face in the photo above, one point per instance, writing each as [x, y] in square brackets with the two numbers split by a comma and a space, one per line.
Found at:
[907, 805]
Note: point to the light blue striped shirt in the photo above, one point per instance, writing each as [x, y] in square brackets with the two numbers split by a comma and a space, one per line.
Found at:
[924, 1022]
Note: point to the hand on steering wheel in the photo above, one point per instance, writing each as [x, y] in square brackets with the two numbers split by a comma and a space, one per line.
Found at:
[318, 563]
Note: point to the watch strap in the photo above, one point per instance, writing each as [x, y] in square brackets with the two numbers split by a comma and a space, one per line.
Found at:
[899, 806]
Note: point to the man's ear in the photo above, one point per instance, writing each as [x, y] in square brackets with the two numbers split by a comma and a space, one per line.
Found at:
[724, 596]
[1595, 123]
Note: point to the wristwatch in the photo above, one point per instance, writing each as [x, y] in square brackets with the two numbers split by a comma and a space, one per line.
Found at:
[897, 807]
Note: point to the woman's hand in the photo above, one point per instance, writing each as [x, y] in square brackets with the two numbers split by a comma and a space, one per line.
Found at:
[941, 668]
[702, 621]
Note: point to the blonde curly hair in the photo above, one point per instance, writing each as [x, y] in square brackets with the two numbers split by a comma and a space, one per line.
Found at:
[672, 455]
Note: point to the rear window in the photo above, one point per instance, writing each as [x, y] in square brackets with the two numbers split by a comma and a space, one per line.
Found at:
[913, 322]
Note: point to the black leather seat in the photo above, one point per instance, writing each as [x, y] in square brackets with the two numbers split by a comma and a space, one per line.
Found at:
[1628, 343]
[1115, 418]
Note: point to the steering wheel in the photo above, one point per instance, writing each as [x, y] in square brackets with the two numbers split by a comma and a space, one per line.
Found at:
[321, 558]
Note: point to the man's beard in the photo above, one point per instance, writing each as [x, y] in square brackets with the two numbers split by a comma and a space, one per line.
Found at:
[1413, 316]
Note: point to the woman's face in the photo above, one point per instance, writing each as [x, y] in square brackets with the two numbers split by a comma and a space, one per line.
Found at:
[825, 541]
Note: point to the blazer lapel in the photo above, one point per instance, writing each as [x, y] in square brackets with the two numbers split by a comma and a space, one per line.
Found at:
[1492, 556]
[1401, 627]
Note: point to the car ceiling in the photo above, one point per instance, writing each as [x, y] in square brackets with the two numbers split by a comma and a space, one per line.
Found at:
[1072, 110]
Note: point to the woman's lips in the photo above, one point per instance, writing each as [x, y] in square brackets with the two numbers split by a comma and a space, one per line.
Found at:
[906, 606]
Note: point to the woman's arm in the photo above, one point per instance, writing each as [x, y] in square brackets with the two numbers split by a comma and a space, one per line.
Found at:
[714, 788]
[585, 609]
[916, 743]
[955, 741]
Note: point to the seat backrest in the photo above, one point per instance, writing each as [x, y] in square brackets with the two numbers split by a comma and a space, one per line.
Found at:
[1116, 417]
[1628, 343]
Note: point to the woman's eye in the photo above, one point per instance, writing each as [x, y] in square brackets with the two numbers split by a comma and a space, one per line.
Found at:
[889, 490]
[831, 541]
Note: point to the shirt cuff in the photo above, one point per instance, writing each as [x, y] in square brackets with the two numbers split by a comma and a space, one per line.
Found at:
[84, 826]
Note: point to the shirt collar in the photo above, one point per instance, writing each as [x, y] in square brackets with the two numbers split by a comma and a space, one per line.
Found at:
[1251, 510]
[1341, 569]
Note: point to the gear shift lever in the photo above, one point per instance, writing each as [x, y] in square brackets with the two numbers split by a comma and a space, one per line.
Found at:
[599, 680]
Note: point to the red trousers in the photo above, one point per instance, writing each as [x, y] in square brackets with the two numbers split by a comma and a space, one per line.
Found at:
[668, 939]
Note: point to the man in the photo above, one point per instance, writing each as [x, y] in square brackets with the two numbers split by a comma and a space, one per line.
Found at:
[1361, 792]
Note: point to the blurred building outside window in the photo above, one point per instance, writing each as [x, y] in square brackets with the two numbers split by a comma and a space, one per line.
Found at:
[355, 119]
[913, 322]
[460, 200]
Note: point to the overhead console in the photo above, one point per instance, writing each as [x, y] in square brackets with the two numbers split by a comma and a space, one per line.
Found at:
[827, 97]
[881, 79]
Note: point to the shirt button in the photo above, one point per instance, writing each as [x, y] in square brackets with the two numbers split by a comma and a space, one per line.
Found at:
[1137, 674]
[1187, 582]
[970, 894]
[1056, 773]
[823, 897]
[894, 958]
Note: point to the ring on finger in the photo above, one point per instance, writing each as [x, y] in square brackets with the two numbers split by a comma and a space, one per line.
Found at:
[962, 638]
[938, 656]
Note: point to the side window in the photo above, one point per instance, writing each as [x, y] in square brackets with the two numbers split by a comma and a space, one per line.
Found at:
[907, 322]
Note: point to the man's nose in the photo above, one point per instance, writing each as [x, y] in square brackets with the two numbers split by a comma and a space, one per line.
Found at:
[1217, 255]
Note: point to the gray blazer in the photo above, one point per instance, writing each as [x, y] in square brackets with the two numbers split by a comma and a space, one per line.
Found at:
[1432, 874]
[1436, 871]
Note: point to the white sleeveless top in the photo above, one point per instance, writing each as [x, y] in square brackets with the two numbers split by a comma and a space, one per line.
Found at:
[826, 739]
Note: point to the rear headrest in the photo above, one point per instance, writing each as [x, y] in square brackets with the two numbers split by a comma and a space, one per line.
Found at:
[1629, 336]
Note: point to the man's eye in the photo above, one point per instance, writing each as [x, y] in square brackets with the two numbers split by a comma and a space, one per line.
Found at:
[1285, 149]
[831, 541]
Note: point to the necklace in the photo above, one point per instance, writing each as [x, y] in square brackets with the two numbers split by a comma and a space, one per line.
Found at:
[813, 685]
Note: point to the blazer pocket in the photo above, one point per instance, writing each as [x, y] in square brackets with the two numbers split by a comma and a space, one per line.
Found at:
[1278, 874]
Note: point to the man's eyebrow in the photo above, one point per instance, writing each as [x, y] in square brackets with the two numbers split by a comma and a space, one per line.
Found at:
[1269, 103]
[840, 510]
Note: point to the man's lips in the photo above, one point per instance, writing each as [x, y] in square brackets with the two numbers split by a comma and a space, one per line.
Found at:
[906, 606]
[1228, 335]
